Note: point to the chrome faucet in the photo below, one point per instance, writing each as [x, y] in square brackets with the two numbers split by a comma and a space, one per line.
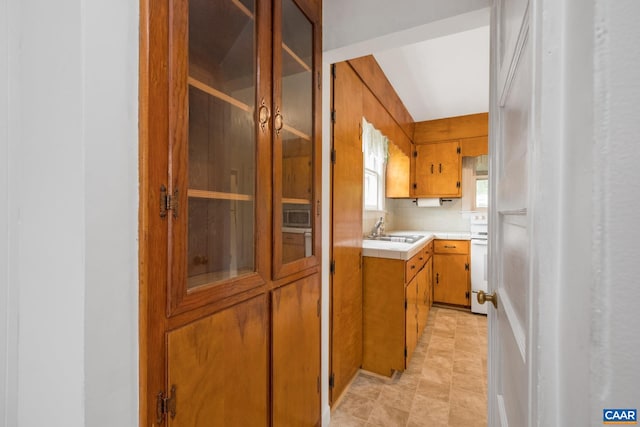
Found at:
[378, 229]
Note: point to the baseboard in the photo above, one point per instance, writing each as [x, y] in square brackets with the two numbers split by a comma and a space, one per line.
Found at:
[326, 416]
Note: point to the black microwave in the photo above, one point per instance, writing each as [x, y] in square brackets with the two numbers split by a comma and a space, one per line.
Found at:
[296, 218]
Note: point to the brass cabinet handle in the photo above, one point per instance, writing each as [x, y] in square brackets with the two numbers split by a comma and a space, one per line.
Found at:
[278, 121]
[263, 115]
[493, 298]
[449, 247]
[432, 168]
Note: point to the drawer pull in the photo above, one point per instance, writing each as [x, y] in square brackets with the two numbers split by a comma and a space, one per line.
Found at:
[449, 247]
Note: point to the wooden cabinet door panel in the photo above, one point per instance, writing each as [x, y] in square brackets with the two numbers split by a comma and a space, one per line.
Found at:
[346, 282]
[451, 279]
[219, 366]
[296, 353]
[448, 165]
[426, 170]
[411, 319]
[423, 297]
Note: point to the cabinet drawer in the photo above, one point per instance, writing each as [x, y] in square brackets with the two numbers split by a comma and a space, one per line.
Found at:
[414, 265]
[451, 247]
[428, 250]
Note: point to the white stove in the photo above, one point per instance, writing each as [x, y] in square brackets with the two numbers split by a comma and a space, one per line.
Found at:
[479, 236]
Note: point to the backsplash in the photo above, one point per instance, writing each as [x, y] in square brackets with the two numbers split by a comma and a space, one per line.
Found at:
[369, 219]
[403, 214]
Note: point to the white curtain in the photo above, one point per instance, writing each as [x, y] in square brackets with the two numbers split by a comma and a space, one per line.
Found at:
[375, 147]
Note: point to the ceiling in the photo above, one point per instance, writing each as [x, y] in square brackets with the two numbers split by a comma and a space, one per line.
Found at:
[441, 77]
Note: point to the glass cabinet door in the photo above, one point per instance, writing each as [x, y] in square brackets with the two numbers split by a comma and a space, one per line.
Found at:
[214, 148]
[294, 135]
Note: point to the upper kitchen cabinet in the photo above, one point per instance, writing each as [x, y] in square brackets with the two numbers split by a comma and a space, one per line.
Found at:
[436, 164]
[437, 170]
[296, 134]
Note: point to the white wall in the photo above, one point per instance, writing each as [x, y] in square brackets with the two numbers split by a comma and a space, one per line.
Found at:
[68, 203]
[110, 110]
[355, 21]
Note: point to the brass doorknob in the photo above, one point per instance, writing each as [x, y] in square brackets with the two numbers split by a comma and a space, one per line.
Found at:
[483, 296]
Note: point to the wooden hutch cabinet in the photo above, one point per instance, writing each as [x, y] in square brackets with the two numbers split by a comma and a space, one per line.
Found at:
[229, 143]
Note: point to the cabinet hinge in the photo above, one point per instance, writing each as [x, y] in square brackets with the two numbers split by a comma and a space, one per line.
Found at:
[166, 405]
[332, 267]
[318, 308]
[168, 202]
[333, 116]
[318, 384]
[457, 184]
[405, 351]
[332, 380]
[405, 304]
[466, 295]
[466, 266]
[333, 156]
[458, 150]
[415, 154]
[333, 70]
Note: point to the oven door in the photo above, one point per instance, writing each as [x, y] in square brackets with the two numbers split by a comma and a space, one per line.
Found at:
[478, 273]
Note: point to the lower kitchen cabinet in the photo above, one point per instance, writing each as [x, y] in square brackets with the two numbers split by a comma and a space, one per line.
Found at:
[295, 377]
[451, 272]
[395, 298]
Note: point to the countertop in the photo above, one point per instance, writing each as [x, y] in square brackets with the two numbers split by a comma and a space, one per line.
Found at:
[404, 251]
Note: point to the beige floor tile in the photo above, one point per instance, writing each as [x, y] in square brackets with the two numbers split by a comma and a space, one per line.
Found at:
[396, 397]
[367, 386]
[356, 406]
[342, 419]
[438, 342]
[388, 416]
[434, 390]
[463, 417]
[469, 382]
[469, 400]
[428, 412]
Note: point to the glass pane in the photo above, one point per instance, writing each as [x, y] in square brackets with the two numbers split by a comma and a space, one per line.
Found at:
[297, 133]
[482, 193]
[222, 142]
[371, 190]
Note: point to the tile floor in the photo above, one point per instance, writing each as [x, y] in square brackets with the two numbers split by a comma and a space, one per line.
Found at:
[444, 385]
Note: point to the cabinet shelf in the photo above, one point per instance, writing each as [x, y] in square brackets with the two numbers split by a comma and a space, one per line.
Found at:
[218, 94]
[286, 48]
[219, 195]
[239, 104]
[296, 201]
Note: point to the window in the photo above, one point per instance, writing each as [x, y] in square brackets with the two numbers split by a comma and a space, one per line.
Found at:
[375, 146]
[475, 183]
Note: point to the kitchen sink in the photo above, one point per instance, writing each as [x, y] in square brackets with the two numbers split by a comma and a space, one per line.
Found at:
[395, 238]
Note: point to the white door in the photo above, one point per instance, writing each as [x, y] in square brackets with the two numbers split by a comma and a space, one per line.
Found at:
[510, 381]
